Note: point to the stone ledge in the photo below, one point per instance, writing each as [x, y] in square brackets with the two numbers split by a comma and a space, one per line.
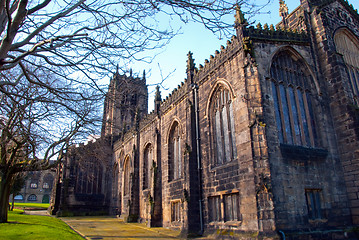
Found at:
[302, 153]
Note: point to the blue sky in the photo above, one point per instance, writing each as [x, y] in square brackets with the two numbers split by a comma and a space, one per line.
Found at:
[202, 43]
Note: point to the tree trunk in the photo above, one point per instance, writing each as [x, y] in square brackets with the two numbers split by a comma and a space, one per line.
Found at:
[5, 185]
[13, 202]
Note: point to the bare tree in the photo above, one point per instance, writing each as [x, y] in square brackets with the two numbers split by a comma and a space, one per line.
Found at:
[36, 126]
[18, 183]
[91, 36]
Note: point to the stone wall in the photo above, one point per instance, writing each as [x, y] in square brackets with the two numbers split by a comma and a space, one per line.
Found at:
[84, 181]
[238, 175]
[326, 21]
[37, 188]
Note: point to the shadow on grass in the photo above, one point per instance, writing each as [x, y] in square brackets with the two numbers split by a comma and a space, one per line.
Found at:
[15, 222]
[132, 237]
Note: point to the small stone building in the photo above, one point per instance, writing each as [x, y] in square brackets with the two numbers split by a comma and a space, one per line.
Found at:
[261, 140]
[37, 188]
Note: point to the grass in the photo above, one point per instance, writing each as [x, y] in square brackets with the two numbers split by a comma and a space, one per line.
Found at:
[21, 227]
[32, 205]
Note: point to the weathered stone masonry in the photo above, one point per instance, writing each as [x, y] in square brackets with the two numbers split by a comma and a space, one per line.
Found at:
[260, 141]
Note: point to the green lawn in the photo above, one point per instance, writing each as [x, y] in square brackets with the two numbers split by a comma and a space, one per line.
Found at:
[23, 226]
[32, 205]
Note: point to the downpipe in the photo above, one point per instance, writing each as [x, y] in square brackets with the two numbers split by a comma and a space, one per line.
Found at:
[199, 167]
[282, 235]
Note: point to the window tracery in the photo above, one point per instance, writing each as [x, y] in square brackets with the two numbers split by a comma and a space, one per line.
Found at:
[348, 46]
[176, 211]
[147, 164]
[293, 101]
[126, 178]
[32, 197]
[222, 121]
[175, 156]
[89, 178]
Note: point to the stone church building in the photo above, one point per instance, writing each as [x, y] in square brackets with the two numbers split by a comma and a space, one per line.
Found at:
[260, 140]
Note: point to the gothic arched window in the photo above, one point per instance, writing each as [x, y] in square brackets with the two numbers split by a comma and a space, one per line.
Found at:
[126, 177]
[115, 185]
[89, 178]
[121, 159]
[293, 102]
[174, 153]
[147, 164]
[348, 45]
[222, 126]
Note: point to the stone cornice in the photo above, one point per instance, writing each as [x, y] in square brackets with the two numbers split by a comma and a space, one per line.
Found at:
[270, 34]
[233, 46]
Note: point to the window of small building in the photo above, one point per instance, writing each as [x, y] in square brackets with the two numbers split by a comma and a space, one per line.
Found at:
[222, 126]
[32, 197]
[33, 185]
[293, 101]
[175, 153]
[214, 209]
[348, 46]
[48, 181]
[231, 207]
[176, 211]
[19, 197]
[313, 197]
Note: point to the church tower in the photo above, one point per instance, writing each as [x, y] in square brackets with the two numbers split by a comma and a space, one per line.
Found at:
[127, 97]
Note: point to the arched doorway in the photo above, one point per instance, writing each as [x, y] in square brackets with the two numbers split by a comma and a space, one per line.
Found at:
[46, 198]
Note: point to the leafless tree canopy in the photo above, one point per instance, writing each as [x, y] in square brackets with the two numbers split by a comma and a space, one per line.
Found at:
[90, 36]
[37, 123]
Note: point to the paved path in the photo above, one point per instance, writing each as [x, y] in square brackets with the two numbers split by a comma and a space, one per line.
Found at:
[108, 228]
[37, 212]
[113, 228]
